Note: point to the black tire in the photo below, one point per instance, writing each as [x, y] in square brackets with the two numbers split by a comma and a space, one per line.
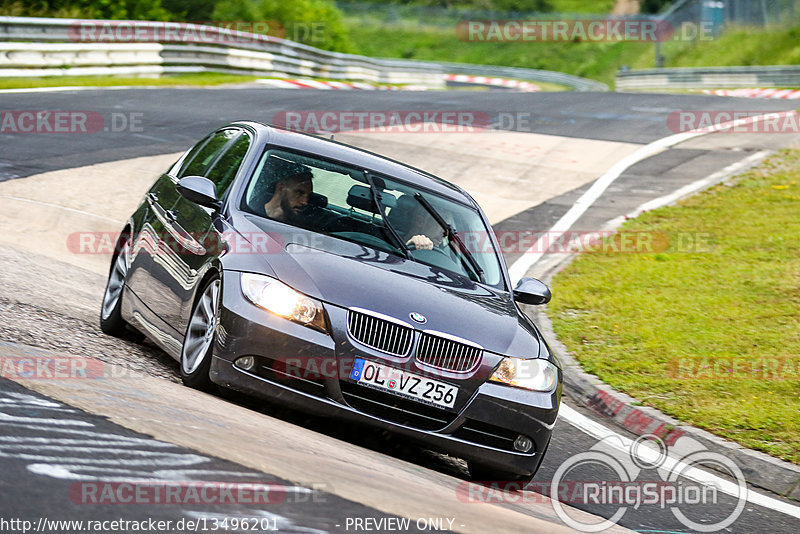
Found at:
[198, 341]
[111, 321]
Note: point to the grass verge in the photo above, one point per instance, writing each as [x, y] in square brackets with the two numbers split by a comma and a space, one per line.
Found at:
[204, 78]
[708, 330]
[200, 78]
[595, 60]
[591, 60]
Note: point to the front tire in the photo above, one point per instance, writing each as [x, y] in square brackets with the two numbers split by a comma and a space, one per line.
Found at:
[111, 321]
[198, 342]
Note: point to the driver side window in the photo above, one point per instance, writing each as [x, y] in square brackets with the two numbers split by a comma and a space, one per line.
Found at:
[224, 170]
[199, 162]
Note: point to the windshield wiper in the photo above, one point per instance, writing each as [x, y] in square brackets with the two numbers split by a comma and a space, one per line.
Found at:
[376, 198]
[453, 240]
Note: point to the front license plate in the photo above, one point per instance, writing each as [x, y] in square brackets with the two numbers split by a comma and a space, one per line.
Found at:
[394, 380]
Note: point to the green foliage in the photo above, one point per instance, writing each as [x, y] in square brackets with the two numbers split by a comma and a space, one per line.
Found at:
[583, 6]
[99, 9]
[592, 60]
[739, 46]
[598, 60]
[317, 23]
[483, 5]
[654, 6]
[521, 6]
[511, 6]
[190, 10]
[200, 78]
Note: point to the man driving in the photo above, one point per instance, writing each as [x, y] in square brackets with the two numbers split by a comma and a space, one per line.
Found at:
[415, 224]
[291, 196]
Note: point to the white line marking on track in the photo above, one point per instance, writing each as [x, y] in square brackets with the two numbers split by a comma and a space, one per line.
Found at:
[533, 254]
[77, 88]
[73, 210]
[6, 418]
[690, 188]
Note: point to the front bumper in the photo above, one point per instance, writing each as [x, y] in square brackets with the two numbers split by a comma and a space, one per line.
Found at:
[482, 427]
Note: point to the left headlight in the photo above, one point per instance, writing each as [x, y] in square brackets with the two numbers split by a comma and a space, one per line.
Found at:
[536, 374]
[280, 299]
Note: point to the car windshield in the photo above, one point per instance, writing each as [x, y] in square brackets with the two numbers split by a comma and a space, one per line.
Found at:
[343, 204]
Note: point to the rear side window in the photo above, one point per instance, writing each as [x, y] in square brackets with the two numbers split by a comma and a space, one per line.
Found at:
[202, 159]
[224, 170]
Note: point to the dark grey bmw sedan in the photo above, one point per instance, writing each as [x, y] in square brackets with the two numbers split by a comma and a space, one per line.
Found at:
[343, 283]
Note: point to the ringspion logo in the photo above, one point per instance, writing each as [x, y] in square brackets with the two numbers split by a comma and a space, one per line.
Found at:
[617, 475]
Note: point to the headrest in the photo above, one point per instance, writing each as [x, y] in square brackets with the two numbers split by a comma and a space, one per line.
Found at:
[318, 200]
[360, 197]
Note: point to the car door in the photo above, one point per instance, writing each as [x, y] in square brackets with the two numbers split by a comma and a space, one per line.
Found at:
[168, 271]
[194, 239]
[159, 199]
[200, 221]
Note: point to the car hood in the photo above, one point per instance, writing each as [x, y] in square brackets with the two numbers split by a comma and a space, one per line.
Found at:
[459, 308]
[349, 275]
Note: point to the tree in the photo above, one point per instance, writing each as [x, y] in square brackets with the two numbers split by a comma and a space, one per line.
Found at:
[190, 10]
[317, 23]
[654, 6]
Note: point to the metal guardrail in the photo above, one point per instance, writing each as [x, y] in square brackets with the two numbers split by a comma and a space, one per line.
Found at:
[575, 82]
[32, 46]
[709, 78]
[60, 47]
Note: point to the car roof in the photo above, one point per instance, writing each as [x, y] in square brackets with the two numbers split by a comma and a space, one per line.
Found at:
[359, 158]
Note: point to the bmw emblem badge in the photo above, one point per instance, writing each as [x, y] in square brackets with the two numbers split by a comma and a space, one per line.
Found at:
[418, 317]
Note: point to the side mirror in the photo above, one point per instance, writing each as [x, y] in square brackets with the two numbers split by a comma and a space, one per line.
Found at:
[199, 190]
[532, 291]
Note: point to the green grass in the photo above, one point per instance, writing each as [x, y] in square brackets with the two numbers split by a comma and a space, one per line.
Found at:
[596, 60]
[599, 60]
[740, 46]
[203, 78]
[552, 87]
[582, 6]
[629, 318]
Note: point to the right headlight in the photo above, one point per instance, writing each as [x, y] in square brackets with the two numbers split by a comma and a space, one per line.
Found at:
[535, 374]
[280, 299]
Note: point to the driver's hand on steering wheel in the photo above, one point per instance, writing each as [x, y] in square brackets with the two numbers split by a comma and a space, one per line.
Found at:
[420, 242]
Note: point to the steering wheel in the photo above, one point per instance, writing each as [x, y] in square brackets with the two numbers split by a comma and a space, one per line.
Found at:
[421, 253]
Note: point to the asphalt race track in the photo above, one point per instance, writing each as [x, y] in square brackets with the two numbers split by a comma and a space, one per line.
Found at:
[51, 313]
